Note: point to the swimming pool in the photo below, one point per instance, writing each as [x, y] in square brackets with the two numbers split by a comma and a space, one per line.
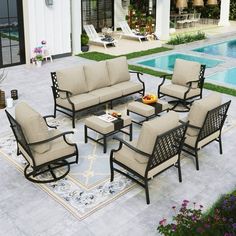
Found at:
[227, 77]
[223, 49]
[167, 62]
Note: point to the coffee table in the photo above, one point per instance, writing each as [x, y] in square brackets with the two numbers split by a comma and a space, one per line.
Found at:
[106, 129]
[147, 111]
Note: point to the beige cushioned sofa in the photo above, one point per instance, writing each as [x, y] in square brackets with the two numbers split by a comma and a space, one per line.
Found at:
[84, 86]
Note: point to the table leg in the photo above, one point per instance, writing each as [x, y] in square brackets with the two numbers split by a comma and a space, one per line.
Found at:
[85, 134]
[130, 132]
[104, 144]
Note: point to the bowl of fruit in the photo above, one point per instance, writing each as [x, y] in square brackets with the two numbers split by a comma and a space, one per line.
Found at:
[149, 99]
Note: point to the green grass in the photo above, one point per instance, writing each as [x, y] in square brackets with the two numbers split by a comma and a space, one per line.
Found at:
[98, 56]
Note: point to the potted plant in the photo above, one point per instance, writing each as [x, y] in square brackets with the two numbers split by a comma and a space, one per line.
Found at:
[39, 59]
[39, 56]
[84, 42]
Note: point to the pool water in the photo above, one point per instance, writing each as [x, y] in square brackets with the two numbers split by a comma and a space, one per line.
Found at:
[227, 77]
[167, 62]
[223, 49]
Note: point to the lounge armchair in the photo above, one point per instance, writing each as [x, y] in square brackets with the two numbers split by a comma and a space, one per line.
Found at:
[95, 38]
[186, 84]
[205, 122]
[127, 32]
[157, 148]
[45, 151]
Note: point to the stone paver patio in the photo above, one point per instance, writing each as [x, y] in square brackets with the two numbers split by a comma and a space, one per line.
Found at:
[26, 210]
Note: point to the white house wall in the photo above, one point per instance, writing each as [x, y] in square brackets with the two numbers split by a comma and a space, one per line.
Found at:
[52, 24]
[120, 12]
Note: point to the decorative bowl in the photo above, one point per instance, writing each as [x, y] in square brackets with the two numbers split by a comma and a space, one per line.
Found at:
[149, 99]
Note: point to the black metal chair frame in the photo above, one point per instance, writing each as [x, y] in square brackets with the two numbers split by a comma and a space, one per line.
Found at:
[213, 122]
[72, 112]
[50, 166]
[167, 145]
[103, 140]
[185, 102]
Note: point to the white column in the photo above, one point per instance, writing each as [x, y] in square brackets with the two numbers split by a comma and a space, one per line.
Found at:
[162, 19]
[76, 22]
[224, 13]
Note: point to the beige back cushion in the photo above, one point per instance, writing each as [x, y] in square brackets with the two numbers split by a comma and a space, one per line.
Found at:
[185, 71]
[73, 80]
[151, 129]
[118, 70]
[33, 126]
[199, 109]
[97, 75]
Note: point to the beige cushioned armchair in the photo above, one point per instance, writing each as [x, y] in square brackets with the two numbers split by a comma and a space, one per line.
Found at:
[45, 150]
[186, 84]
[205, 122]
[157, 148]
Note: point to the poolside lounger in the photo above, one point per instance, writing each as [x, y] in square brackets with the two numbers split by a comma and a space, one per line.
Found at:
[95, 38]
[129, 33]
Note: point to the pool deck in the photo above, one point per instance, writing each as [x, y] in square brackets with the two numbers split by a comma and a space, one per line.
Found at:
[228, 62]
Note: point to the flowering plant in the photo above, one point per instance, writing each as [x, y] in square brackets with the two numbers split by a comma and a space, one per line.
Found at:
[221, 221]
[38, 50]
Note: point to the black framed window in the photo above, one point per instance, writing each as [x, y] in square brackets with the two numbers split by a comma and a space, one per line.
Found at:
[99, 13]
[12, 51]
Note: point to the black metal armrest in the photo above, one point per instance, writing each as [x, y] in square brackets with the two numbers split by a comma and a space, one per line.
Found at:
[52, 138]
[191, 82]
[164, 78]
[45, 118]
[68, 93]
[135, 72]
[131, 147]
[189, 125]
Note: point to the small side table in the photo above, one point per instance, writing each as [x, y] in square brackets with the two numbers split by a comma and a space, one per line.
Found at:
[147, 111]
[106, 129]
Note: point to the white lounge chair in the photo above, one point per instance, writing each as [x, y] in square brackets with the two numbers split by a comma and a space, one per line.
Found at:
[129, 33]
[95, 38]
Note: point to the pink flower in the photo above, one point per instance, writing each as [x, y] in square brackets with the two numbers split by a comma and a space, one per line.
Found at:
[162, 222]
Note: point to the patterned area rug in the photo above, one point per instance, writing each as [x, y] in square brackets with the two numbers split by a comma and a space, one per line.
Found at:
[87, 188]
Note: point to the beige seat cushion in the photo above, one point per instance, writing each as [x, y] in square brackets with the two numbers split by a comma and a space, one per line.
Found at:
[104, 127]
[80, 101]
[178, 91]
[141, 108]
[33, 125]
[191, 140]
[58, 149]
[73, 80]
[128, 157]
[185, 71]
[199, 109]
[106, 94]
[97, 75]
[119, 65]
[128, 87]
[151, 129]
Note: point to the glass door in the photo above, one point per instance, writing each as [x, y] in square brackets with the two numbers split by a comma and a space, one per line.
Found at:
[12, 50]
[99, 13]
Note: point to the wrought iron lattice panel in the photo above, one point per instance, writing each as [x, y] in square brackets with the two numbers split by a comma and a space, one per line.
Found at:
[201, 75]
[167, 146]
[55, 85]
[214, 121]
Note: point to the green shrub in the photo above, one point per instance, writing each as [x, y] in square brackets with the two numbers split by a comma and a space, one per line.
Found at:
[84, 39]
[186, 38]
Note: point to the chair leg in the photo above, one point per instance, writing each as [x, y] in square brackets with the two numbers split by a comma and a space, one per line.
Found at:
[55, 111]
[220, 145]
[196, 158]
[179, 172]
[73, 120]
[112, 170]
[147, 192]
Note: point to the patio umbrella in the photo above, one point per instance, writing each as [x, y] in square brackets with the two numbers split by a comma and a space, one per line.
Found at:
[198, 3]
[181, 4]
[212, 2]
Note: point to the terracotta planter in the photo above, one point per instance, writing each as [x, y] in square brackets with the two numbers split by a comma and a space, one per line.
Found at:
[2, 99]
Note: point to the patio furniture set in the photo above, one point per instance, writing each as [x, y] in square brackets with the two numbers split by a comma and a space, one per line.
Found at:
[161, 139]
[185, 20]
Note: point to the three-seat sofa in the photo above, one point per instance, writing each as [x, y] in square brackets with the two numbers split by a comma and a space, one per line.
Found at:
[85, 86]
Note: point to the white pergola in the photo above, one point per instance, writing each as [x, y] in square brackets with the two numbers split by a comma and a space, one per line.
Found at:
[163, 17]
